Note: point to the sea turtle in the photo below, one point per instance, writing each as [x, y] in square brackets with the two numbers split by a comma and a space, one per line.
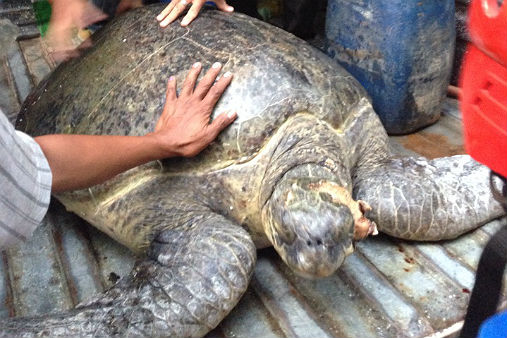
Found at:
[306, 140]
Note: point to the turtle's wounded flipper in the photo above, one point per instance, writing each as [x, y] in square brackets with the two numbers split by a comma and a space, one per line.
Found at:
[193, 277]
[420, 199]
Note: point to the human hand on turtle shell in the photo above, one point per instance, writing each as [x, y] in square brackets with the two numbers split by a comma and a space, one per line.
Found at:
[184, 128]
[177, 7]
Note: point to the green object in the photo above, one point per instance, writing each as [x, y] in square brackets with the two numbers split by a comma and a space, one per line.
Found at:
[269, 9]
[42, 10]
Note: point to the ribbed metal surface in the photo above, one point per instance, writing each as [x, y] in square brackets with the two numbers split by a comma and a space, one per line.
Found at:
[388, 288]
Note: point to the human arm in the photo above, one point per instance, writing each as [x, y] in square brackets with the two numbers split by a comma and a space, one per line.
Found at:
[65, 16]
[183, 129]
[177, 7]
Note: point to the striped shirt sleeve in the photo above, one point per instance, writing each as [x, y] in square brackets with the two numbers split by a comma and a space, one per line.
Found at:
[25, 184]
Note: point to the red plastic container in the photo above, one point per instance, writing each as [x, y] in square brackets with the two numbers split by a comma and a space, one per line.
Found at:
[484, 85]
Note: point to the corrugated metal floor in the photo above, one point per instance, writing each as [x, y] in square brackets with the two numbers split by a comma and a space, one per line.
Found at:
[388, 288]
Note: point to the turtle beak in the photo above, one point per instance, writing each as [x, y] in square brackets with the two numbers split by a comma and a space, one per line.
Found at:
[363, 227]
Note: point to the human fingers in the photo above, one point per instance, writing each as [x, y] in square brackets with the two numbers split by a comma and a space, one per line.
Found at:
[88, 15]
[217, 90]
[207, 81]
[60, 45]
[209, 133]
[175, 13]
[192, 12]
[223, 6]
[170, 102]
[84, 45]
[170, 93]
[167, 10]
[220, 123]
[189, 83]
[63, 55]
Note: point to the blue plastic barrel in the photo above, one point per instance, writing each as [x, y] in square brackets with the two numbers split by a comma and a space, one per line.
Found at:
[400, 51]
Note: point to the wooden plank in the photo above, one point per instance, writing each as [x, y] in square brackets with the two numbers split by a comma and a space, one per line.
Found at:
[37, 65]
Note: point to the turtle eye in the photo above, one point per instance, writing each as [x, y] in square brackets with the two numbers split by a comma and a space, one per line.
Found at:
[326, 197]
[284, 228]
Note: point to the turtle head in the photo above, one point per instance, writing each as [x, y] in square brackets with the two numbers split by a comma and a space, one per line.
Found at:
[312, 225]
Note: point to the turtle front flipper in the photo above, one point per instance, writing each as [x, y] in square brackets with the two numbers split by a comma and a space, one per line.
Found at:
[192, 278]
[420, 199]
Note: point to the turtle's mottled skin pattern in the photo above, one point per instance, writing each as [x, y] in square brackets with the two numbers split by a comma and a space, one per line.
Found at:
[306, 138]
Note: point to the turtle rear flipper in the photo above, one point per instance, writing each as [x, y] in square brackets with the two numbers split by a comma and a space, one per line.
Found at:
[420, 199]
[192, 278]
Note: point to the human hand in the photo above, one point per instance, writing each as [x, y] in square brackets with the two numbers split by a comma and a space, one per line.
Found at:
[67, 15]
[176, 8]
[184, 128]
